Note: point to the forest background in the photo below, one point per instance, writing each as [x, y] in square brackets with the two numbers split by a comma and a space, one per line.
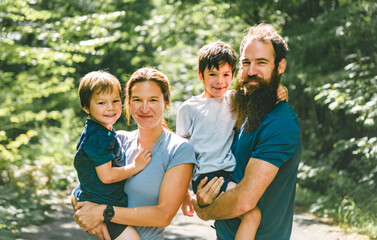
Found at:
[47, 46]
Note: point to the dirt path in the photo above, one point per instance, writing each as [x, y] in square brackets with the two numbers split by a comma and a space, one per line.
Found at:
[305, 227]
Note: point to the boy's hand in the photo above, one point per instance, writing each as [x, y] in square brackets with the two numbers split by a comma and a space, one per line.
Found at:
[282, 93]
[142, 159]
[186, 207]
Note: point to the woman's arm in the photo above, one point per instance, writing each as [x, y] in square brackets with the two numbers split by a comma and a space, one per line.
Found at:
[100, 230]
[108, 174]
[172, 192]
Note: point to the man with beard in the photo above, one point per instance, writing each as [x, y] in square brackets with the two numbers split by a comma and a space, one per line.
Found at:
[267, 144]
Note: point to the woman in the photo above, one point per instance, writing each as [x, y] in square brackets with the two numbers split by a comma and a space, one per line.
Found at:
[156, 193]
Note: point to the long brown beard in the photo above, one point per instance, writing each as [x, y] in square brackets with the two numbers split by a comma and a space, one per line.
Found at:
[254, 102]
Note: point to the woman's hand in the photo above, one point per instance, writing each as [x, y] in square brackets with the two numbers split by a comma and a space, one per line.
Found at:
[88, 215]
[207, 193]
[100, 231]
[186, 207]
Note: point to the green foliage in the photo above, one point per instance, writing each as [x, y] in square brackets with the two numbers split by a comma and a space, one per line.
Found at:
[177, 31]
[47, 46]
[14, 197]
[331, 69]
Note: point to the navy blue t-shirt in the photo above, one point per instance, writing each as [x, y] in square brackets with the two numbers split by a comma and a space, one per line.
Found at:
[97, 146]
[277, 141]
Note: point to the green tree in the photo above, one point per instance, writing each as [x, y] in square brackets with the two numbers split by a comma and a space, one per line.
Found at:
[46, 46]
[331, 76]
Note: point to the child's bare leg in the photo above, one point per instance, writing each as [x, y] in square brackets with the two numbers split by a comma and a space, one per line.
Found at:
[249, 225]
[231, 185]
[129, 234]
[249, 221]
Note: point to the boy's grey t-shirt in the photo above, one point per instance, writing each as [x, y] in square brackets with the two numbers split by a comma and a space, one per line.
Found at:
[208, 124]
[143, 188]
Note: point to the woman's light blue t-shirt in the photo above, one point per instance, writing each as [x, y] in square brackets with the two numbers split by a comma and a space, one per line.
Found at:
[143, 188]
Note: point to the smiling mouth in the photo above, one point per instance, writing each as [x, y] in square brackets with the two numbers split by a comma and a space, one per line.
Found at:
[219, 88]
[253, 82]
[145, 116]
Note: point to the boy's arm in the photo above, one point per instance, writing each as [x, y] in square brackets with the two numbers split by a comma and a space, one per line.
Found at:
[108, 174]
[187, 207]
[183, 122]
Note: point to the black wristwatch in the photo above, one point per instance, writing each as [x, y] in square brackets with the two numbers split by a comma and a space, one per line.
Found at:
[108, 213]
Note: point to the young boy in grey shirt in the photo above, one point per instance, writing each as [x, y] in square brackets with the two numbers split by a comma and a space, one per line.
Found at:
[206, 120]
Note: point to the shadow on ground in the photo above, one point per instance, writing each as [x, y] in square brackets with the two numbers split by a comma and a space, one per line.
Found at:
[305, 227]
[64, 228]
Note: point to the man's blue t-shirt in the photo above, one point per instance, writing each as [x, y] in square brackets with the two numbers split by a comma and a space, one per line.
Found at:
[277, 141]
[97, 146]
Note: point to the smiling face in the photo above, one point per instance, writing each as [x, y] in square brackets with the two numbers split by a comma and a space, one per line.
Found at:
[147, 105]
[105, 107]
[216, 81]
[258, 63]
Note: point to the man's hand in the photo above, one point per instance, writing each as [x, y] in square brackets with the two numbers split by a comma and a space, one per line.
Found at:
[207, 193]
[200, 212]
[100, 231]
[88, 215]
[186, 207]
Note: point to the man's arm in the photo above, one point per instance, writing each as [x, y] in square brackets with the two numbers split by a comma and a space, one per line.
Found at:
[244, 197]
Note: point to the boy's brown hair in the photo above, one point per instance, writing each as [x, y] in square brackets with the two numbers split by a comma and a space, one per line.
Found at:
[100, 81]
[215, 54]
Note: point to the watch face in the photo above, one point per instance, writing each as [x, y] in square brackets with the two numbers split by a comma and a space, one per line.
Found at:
[108, 213]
